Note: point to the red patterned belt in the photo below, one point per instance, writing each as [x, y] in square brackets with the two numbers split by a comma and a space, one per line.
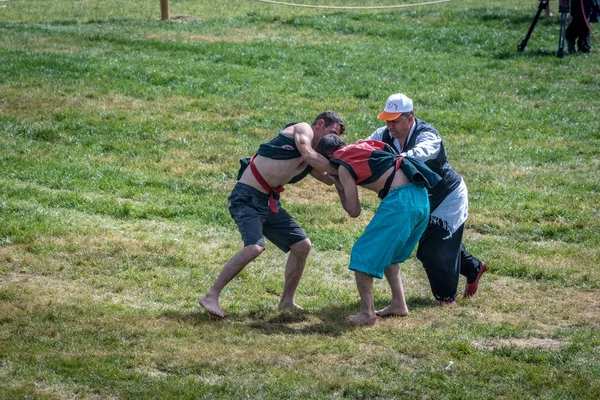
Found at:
[265, 185]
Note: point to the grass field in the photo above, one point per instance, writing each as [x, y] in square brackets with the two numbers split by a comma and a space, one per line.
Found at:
[120, 136]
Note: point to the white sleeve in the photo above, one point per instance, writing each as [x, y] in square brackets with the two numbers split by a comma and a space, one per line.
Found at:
[427, 146]
[378, 134]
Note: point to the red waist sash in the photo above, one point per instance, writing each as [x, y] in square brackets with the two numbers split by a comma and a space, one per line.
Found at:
[265, 185]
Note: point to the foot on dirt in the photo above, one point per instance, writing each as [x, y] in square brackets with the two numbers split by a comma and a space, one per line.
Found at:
[362, 319]
[446, 303]
[392, 311]
[212, 306]
[289, 306]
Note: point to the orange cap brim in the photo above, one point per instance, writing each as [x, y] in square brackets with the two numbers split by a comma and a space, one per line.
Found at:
[386, 116]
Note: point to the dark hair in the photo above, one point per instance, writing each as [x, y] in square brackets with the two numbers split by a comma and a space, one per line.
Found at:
[329, 144]
[331, 117]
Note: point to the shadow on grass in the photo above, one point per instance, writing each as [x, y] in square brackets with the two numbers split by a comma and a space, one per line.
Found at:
[332, 320]
[195, 318]
[506, 55]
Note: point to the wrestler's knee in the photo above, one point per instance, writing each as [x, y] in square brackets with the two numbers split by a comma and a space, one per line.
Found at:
[254, 250]
[427, 257]
[302, 247]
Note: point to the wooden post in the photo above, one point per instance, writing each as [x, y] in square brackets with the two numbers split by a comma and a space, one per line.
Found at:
[164, 10]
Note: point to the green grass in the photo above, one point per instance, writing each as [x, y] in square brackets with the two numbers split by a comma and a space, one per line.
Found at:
[120, 136]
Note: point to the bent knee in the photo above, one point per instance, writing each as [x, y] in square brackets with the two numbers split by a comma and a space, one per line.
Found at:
[301, 247]
[431, 258]
[254, 250]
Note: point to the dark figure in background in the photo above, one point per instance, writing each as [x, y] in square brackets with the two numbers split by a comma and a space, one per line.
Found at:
[578, 31]
[594, 12]
[547, 12]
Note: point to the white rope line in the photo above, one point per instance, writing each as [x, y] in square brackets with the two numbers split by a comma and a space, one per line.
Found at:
[357, 7]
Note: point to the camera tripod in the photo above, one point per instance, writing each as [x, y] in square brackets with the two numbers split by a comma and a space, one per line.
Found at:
[564, 7]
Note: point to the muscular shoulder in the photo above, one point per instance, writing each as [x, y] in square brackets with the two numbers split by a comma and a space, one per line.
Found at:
[300, 127]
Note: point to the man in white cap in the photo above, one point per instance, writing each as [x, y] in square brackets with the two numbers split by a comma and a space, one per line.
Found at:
[440, 249]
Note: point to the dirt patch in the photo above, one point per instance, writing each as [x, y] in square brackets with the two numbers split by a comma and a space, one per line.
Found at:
[183, 18]
[550, 344]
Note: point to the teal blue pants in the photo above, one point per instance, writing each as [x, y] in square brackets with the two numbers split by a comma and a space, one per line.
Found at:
[394, 231]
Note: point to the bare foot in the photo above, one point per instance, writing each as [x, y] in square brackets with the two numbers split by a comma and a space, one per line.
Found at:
[289, 306]
[364, 319]
[212, 306]
[392, 310]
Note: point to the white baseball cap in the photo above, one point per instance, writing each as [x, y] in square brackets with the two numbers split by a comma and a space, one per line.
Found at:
[395, 105]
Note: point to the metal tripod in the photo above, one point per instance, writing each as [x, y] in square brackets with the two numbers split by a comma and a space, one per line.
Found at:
[564, 8]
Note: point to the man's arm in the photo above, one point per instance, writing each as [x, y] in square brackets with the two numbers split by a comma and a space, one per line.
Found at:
[348, 192]
[322, 176]
[378, 135]
[427, 146]
[303, 136]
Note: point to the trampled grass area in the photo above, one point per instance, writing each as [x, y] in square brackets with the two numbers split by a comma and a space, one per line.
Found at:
[120, 136]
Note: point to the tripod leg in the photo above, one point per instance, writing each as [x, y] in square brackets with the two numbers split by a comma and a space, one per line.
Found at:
[561, 36]
[564, 7]
[542, 6]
